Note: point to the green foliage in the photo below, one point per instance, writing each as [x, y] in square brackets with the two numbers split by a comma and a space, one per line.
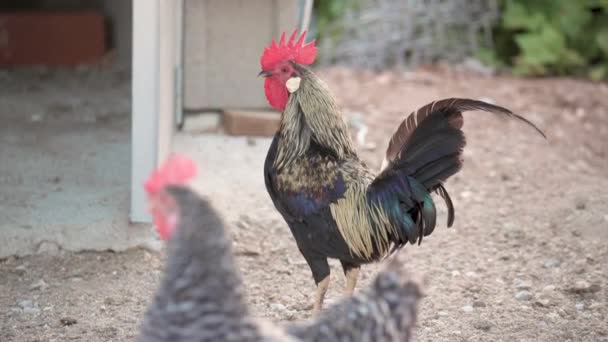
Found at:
[329, 11]
[552, 37]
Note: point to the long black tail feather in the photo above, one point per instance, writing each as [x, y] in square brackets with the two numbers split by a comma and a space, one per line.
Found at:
[428, 145]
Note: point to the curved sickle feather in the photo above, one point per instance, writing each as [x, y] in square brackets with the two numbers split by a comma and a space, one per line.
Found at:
[448, 202]
[454, 105]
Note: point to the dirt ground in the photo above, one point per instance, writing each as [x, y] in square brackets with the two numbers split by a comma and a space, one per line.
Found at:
[527, 259]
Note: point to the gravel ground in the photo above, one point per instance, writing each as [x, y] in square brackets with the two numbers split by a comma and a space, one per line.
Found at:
[527, 259]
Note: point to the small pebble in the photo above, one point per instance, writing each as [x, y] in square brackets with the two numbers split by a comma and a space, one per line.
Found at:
[467, 308]
[39, 285]
[290, 315]
[514, 234]
[523, 295]
[36, 117]
[583, 286]
[580, 204]
[25, 303]
[479, 304]
[20, 270]
[580, 266]
[277, 307]
[522, 285]
[594, 306]
[67, 321]
[580, 307]
[552, 263]
[48, 247]
[247, 252]
[29, 307]
[544, 302]
[466, 194]
[482, 325]
[33, 310]
[549, 288]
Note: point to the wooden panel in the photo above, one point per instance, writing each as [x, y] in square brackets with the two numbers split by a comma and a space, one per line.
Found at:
[252, 123]
[51, 38]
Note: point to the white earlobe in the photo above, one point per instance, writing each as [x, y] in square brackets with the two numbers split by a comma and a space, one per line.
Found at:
[293, 84]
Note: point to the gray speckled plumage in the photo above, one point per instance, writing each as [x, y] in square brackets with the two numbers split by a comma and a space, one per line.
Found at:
[201, 297]
[386, 311]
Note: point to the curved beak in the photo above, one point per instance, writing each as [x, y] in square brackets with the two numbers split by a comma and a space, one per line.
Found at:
[264, 74]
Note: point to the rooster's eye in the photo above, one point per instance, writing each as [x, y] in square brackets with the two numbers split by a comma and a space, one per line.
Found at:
[284, 70]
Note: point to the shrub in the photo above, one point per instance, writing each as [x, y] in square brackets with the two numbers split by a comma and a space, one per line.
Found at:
[552, 37]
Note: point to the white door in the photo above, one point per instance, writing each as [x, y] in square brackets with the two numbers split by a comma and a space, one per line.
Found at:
[155, 41]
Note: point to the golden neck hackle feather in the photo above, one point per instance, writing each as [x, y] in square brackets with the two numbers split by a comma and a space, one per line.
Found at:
[312, 114]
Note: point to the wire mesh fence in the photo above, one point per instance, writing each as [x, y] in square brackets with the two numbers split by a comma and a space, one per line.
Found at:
[381, 33]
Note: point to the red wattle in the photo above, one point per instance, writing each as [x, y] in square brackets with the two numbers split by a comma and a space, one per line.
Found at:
[276, 93]
[162, 226]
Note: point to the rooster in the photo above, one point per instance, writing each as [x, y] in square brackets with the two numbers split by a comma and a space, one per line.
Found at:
[334, 205]
[201, 297]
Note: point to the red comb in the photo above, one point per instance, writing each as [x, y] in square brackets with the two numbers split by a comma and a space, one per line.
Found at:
[293, 50]
[177, 170]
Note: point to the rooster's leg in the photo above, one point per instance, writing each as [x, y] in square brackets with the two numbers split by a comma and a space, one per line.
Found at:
[320, 295]
[320, 272]
[351, 272]
[351, 280]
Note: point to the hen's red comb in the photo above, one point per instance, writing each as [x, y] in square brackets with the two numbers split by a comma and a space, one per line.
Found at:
[177, 170]
[293, 50]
